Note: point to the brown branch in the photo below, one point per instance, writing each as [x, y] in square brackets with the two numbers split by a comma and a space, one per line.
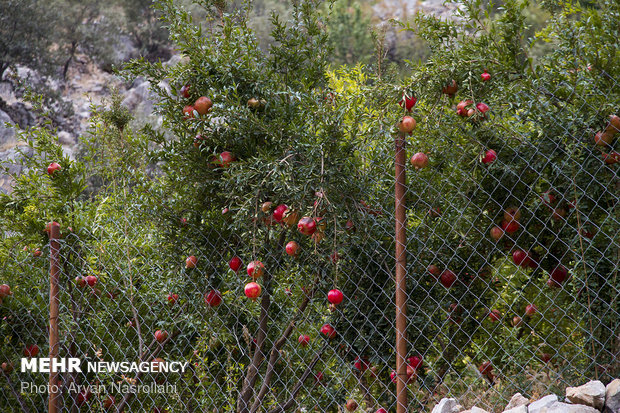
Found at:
[275, 350]
[289, 403]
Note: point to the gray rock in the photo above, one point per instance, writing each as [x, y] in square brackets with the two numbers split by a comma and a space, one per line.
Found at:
[590, 394]
[518, 409]
[137, 95]
[475, 410]
[612, 397]
[516, 401]
[538, 405]
[65, 138]
[447, 406]
[559, 407]
[7, 133]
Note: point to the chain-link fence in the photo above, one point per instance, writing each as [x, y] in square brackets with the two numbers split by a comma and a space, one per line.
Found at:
[254, 271]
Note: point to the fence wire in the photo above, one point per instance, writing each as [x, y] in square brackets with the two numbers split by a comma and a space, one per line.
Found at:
[511, 282]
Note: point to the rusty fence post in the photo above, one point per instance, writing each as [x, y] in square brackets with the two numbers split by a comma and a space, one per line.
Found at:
[54, 302]
[401, 273]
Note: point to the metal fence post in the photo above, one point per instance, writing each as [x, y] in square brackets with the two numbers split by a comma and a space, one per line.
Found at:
[401, 272]
[54, 302]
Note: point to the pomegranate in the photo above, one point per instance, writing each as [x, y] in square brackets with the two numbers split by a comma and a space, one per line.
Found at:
[304, 340]
[461, 107]
[5, 290]
[485, 76]
[486, 368]
[482, 107]
[530, 309]
[225, 159]
[235, 263]
[516, 321]
[545, 357]
[447, 278]
[190, 262]
[419, 160]
[407, 124]
[266, 207]
[361, 363]
[512, 214]
[434, 270]
[255, 269]
[278, 213]
[161, 336]
[489, 157]
[559, 274]
[450, 89]
[188, 112]
[496, 233]
[335, 297]
[185, 91]
[31, 351]
[328, 331]
[53, 168]
[292, 248]
[351, 405]
[306, 226]
[290, 217]
[173, 298]
[202, 105]
[91, 280]
[603, 138]
[495, 315]
[80, 282]
[521, 258]
[510, 227]
[252, 290]
[613, 127]
[415, 361]
[213, 298]
[548, 197]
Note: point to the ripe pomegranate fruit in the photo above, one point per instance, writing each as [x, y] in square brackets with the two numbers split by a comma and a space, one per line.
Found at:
[188, 112]
[190, 262]
[512, 214]
[485, 76]
[351, 405]
[6, 367]
[328, 331]
[255, 269]
[213, 298]
[482, 107]
[510, 227]
[407, 124]
[82, 397]
[278, 213]
[161, 336]
[393, 376]
[603, 138]
[613, 127]
[36, 253]
[173, 298]
[419, 160]
[266, 207]
[489, 157]
[450, 89]
[415, 361]
[486, 368]
[447, 278]
[545, 357]
[559, 274]
[31, 351]
[530, 309]
[91, 280]
[611, 158]
[202, 105]
[80, 282]
[53, 168]
[521, 258]
[349, 226]
[381, 410]
[306, 226]
[335, 297]
[361, 363]
[235, 263]
[292, 248]
[516, 321]
[462, 107]
[496, 233]
[434, 270]
[290, 217]
[252, 290]
[109, 402]
[5, 290]
[495, 315]
[304, 340]
[225, 159]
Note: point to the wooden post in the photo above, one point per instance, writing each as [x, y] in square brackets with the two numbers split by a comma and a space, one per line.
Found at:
[54, 235]
[401, 274]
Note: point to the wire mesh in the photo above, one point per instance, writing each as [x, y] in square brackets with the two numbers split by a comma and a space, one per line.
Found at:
[277, 302]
